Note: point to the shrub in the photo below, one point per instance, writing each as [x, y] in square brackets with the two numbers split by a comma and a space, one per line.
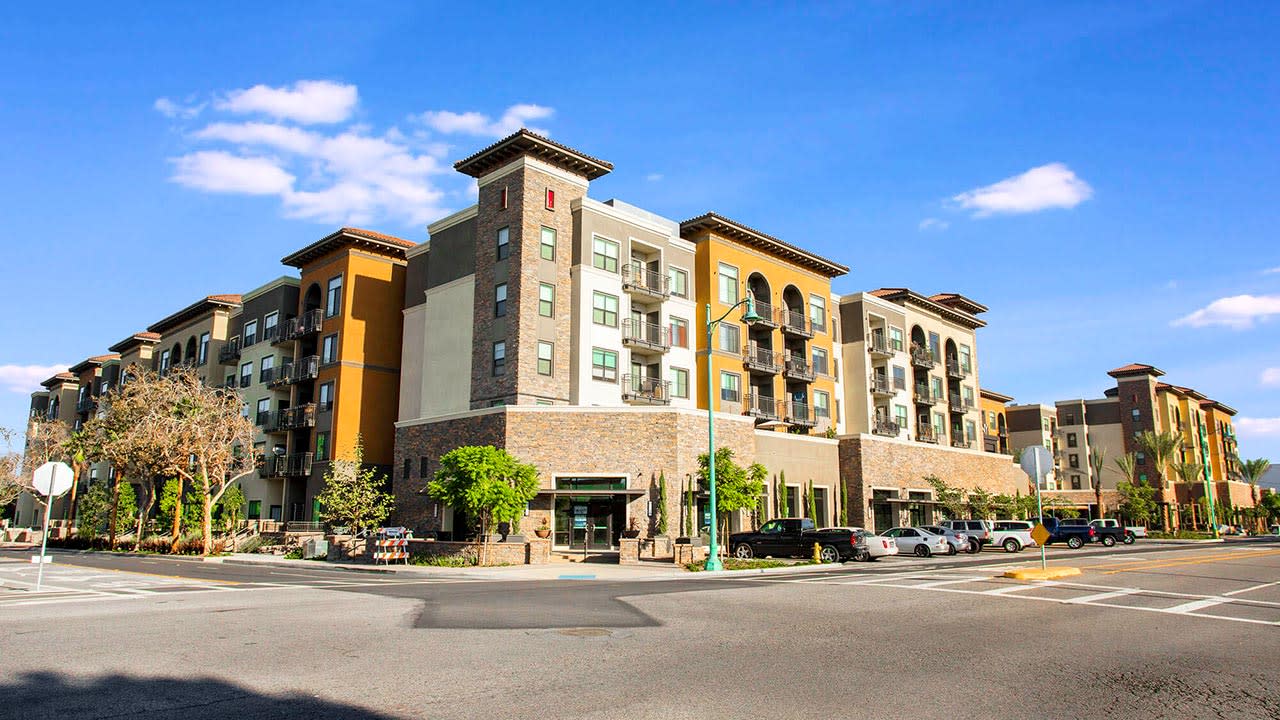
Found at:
[465, 559]
[295, 553]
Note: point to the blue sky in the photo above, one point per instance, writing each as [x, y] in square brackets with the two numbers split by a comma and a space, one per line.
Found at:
[1103, 178]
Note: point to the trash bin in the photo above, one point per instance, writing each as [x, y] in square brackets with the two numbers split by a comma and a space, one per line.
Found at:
[312, 549]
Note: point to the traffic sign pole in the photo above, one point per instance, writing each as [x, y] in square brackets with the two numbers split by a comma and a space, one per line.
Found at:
[51, 480]
[44, 541]
[1040, 511]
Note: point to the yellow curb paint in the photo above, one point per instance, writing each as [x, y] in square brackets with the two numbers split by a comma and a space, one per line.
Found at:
[1052, 573]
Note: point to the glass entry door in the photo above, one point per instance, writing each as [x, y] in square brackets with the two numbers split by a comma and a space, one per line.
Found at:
[591, 521]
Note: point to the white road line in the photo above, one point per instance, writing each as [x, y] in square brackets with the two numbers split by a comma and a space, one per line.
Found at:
[955, 581]
[1251, 589]
[1103, 596]
[1195, 605]
[1016, 588]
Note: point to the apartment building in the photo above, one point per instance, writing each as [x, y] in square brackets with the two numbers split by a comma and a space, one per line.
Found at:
[566, 330]
[1140, 402]
[995, 421]
[194, 335]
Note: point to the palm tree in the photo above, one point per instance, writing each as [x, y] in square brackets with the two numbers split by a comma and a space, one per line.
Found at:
[1127, 465]
[1162, 448]
[1192, 473]
[1252, 471]
[1097, 461]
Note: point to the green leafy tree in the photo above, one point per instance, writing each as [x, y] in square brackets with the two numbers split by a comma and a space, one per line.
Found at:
[1192, 473]
[737, 488]
[229, 512]
[688, 512]
[94, 511]
[1270, 505]
[981, 504]
[1252, 471]
[125, 507]
[812, 505]
[952, 499]
[353, 494]
[844, 504]
[170, 499]
[486, 483]
[662, 504]
[784, 505]
[1137, 501]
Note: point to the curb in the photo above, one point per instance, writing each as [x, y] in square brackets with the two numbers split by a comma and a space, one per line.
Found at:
[763, 571]
[306, 565]
[1052, 573]
[1183, 541]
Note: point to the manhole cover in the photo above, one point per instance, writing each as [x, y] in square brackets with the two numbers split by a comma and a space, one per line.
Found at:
[586, 632]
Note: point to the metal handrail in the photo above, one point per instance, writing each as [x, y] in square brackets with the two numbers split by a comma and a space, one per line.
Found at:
[880, 384]
[647, 333]
[759, 357]
[638, 276]
[644, 387]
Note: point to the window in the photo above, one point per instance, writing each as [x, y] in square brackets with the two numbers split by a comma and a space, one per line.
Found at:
[895, 339]
[680, 382]
[264, 369]
[935, 346]
[818, 313]
[1137, 415]
[678, 282]
[966, 358]
[203, 353]
[551, 199]
[970, 431]
[900, 416]
[604, 309]
[255, 510]
[329, 349]
[271, 326]
[264, 411]
[1075, 482]
[1044, 424]
[821, 404]
[246, 374]
[730, 337]
[548, 245]
[728, 284]
[820, 361]
[939, 424]
[502, 202]
[250, 333]
[500, 300]
[504, 243]
[545, 352]
[899, 377]
[1075, 460]
[408, 468]
[1071, 419]
[967, 394]
[679, 332]
[1071, 439]
[424, 464]
[604, 365]
[1142, 459]
[730, 387]
[322, 446]
[231, 381]
[499, 358]
[333, 297]
[604, 254]
[547, 300]
[326, 397]
[935, 384]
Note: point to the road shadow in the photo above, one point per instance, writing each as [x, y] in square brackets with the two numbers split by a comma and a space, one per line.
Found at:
[51, 695]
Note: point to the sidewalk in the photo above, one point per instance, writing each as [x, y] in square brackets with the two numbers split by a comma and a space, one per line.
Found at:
[548, 571]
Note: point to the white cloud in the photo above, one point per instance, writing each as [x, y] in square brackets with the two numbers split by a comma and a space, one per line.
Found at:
[176, 111]
[27, 378]
[1237, 312]
[1271, 376]
[475, 123]
[307, 101]
[1257, 427]
[1271, 271]
[653, 177]
[221, 172]
[934, 224]
[1040, 188]
[282, 137]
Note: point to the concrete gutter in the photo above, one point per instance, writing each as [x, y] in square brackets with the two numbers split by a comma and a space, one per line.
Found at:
[790, 569]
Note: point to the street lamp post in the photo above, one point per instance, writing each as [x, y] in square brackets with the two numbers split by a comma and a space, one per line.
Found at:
[713, 555]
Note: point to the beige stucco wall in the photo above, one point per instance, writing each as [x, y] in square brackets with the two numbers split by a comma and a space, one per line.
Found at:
[443, 349]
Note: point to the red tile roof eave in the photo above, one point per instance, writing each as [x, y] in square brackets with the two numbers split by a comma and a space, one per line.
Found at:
[342, 237]
[1136, 369]
[714, 222]
[474, 166]
[135, 340]
[61, 377]
[907, 294]
[193, 310]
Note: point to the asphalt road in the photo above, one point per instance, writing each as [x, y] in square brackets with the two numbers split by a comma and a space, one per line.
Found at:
[1192, 631]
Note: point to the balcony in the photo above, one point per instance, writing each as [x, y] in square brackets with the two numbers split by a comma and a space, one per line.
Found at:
[961, 443]
[794, 323]
[798, 413]
[638, 279]
[953, 402]
[273, 376]
[299, 416]
[926, 434]
[955, 370]
[645, 336]
[761, 407]
[295, 465]
[302, 370]
[767, 317]
[879, 385]
[229, 353]
[645, 390]
[887, 428]
[923, 396]
[878, 346]
[309, 323]
[263, 419]
[797, 369]
[921, 357]
[86, 404]
[761, 360]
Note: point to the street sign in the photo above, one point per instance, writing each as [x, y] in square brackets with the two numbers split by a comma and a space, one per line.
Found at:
[1040, 534]
[1036, 462]
[52, 479]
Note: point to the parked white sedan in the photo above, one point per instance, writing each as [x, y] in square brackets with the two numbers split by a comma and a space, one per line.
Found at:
[919, 541]
[870, 546]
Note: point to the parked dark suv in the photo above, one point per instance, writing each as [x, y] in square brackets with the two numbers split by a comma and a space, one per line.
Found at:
[794, 537]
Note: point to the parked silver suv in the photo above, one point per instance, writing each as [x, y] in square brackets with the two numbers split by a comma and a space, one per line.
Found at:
[979, 531]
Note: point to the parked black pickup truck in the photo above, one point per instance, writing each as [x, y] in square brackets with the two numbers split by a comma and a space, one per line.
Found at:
[1076, 536]
[793, 537]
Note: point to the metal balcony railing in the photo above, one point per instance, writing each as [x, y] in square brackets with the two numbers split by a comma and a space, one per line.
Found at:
[961, 443]
[925, 433]
[797, 413]
[760, 406]
[645, 390]
[887, 428]
[758, 359]
[263, 419]
[636, 277]
[308, 323]
[877, 344]
[304, 369]
[229, 353]
[296, 465]
[794, 323]
[880, 384]
[797, 369]
[270, 334]
[272, 375]
[767, 317]
[924, 396]
[86, 404]
[956, 370]
[298, 416]
[921, 357]
[641, 335]
[953, 402]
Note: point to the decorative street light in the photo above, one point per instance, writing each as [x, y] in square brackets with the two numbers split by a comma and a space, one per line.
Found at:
[713, 556]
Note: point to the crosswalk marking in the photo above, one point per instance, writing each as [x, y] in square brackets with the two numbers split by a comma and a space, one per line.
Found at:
[1103, 596]
[1196, 605]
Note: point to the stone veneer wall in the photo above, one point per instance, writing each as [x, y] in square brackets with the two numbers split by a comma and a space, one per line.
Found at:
[640, 443]
[868, 462]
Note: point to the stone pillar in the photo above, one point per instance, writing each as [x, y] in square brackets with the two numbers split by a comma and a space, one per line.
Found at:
[629, 551]
[539, 551]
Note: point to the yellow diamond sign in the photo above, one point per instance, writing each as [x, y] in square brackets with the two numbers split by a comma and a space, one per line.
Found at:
[1040, 534]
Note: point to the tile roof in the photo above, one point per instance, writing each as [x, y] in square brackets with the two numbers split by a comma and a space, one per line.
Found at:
[379, 236]
[524, 142]
[59, 378]
[962, 310]
[134, 340]
[1136, 369]
[195, 309]
[344, 236]
[714, 222]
